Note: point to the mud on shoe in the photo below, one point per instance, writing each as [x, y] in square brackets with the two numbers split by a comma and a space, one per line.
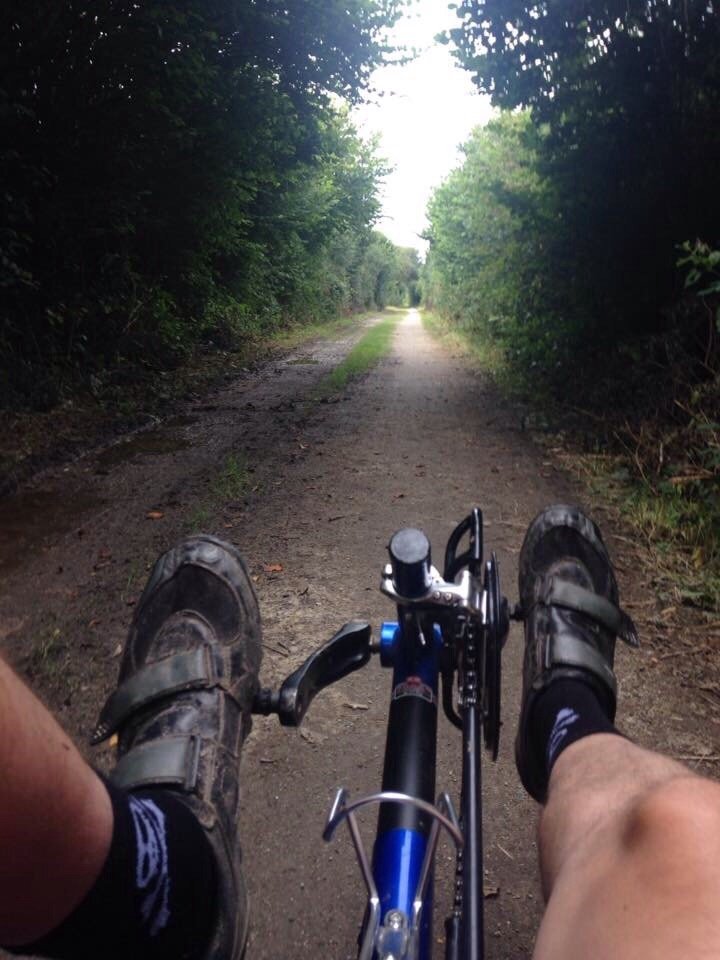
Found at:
[569, 599]
[182, 706]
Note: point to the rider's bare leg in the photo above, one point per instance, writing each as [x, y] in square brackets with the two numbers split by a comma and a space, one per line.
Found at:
[629, 839]
[56, 819]
[630, 856]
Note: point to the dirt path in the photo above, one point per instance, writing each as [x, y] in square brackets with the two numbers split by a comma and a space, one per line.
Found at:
[311, 494]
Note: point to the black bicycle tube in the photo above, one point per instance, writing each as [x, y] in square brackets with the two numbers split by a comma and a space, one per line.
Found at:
[411, 743]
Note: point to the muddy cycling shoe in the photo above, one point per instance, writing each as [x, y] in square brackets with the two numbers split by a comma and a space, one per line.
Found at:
[569, 599]
[182, 706]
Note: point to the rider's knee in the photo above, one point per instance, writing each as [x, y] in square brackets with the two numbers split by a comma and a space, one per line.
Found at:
[676, 819]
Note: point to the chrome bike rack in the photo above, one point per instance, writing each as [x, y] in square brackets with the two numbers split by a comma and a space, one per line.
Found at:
[398, 937]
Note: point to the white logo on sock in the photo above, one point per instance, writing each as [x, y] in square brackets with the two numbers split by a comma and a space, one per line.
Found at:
[152, 862]
[565, 718]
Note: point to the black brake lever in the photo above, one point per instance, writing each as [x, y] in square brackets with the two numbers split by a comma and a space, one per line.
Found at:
[344, 653]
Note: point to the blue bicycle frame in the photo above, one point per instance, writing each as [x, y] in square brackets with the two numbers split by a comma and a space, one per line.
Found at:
[403, 831]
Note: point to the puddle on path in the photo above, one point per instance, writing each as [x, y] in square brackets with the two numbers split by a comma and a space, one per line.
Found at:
[181, 420]
[32, 518]
[301, 360]
[29, 519]
[152, 443]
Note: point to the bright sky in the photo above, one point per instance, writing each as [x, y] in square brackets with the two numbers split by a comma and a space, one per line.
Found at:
[428, 109]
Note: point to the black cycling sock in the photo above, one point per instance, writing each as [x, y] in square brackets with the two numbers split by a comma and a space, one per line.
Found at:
[565, 712]
[155, 896]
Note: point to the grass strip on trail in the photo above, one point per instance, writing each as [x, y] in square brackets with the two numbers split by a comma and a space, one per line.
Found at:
[372, 347]
[233, 481]
[32, 439]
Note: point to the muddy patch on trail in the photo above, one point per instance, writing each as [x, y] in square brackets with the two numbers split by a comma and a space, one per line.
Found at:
[151, 443]
[31, 519]
[302, 361]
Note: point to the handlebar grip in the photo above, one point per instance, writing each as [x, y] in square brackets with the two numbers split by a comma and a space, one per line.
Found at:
[410, 559]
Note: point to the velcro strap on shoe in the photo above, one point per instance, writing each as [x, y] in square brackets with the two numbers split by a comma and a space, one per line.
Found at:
[194, 669]
[561, 593]
[170, 761]
[564, 649]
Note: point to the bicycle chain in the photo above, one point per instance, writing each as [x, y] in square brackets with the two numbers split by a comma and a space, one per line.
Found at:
[465, 641]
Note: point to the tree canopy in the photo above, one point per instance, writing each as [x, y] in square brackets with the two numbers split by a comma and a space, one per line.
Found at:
[173, 167]
[623, 100]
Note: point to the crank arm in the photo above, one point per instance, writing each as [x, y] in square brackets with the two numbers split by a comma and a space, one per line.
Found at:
[344, 653]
